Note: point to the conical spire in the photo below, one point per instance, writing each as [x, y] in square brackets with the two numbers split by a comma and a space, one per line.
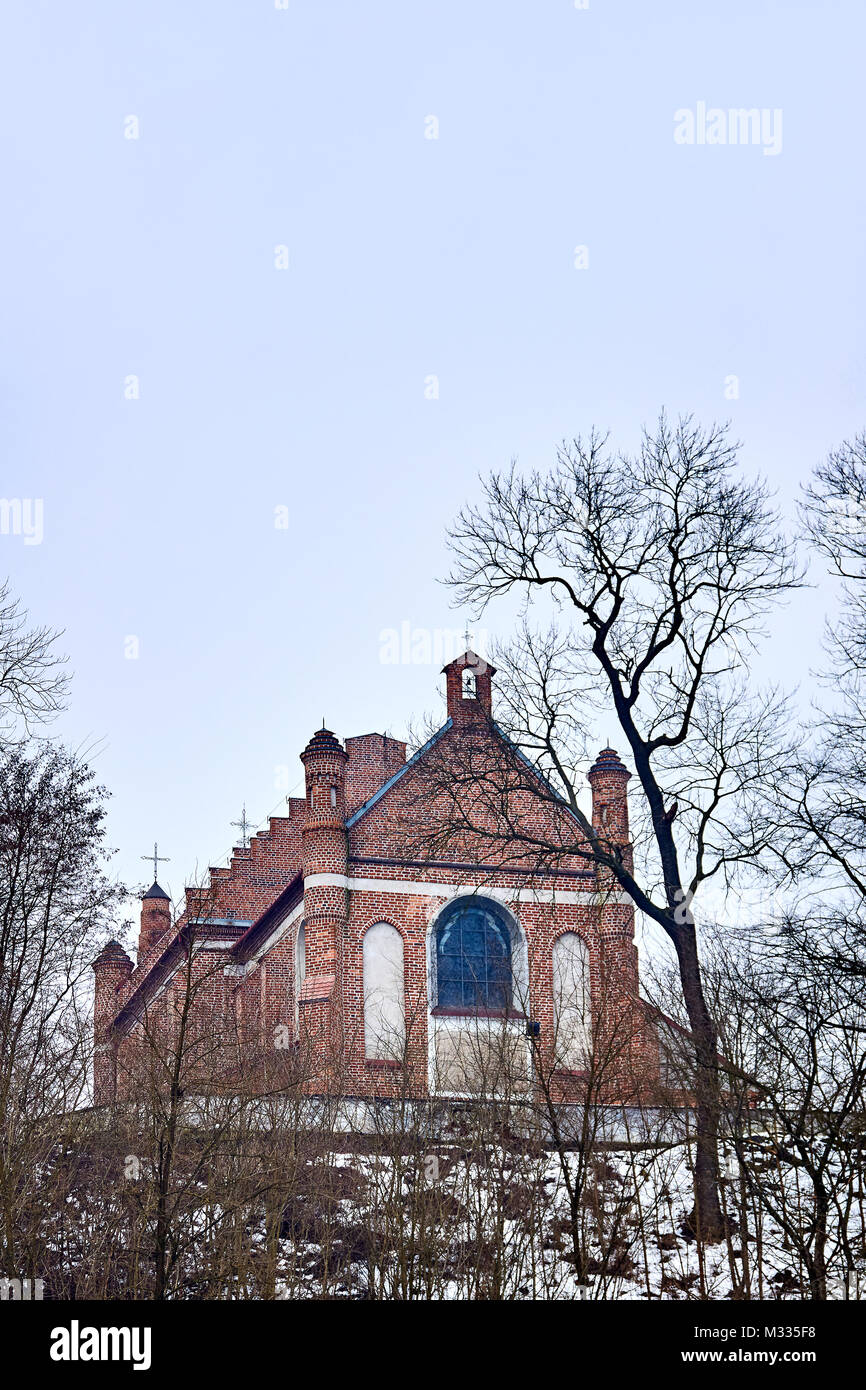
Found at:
[154, 891]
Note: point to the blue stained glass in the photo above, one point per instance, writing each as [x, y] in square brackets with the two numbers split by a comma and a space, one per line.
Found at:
[473, 959]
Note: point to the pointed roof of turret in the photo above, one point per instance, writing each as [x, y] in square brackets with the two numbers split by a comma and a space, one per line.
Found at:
[609, 760]
[324, 741]
[154, 891]
[112, 951]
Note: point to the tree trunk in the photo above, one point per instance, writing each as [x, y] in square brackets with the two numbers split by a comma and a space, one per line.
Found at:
[709, 1222]
[817, 1266]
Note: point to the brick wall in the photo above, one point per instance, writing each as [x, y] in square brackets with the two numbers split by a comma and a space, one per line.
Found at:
[372, 760]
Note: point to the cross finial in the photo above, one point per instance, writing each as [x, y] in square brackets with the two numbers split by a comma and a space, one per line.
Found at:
[243, 826]
[157, 860]
[466, 637]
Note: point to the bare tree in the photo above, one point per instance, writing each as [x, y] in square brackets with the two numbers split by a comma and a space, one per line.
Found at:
[33, 681]
[575, 1116]
[54, 898]
[820, 806]
[660, 568]
[793, 1038]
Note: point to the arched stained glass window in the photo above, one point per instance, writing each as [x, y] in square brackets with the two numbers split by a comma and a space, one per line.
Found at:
[473, 957]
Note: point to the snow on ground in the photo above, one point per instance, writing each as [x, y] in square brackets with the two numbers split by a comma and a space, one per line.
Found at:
[500, 1226]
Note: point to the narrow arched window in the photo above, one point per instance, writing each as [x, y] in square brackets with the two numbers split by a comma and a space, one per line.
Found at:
[571, 1001]
[300, 958]
[384, 1013]
[473, 958]
[469, 688]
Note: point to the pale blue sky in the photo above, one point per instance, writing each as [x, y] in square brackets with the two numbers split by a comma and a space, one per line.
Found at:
[408, 257]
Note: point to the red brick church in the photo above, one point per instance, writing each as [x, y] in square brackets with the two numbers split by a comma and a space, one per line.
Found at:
[343, 935]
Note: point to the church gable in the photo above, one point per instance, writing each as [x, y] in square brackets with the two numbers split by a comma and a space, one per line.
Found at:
[469, 795]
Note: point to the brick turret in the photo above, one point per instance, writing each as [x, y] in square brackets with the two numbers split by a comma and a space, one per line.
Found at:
[609, 779]
[111, 969]
[325, 862]
[155, 918]
[618, 976]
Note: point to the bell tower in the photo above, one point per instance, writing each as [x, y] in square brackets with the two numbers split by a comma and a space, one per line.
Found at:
[468, 688]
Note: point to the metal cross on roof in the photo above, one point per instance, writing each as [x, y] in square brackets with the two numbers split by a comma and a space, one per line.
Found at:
[157, 860]
[243, 826]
